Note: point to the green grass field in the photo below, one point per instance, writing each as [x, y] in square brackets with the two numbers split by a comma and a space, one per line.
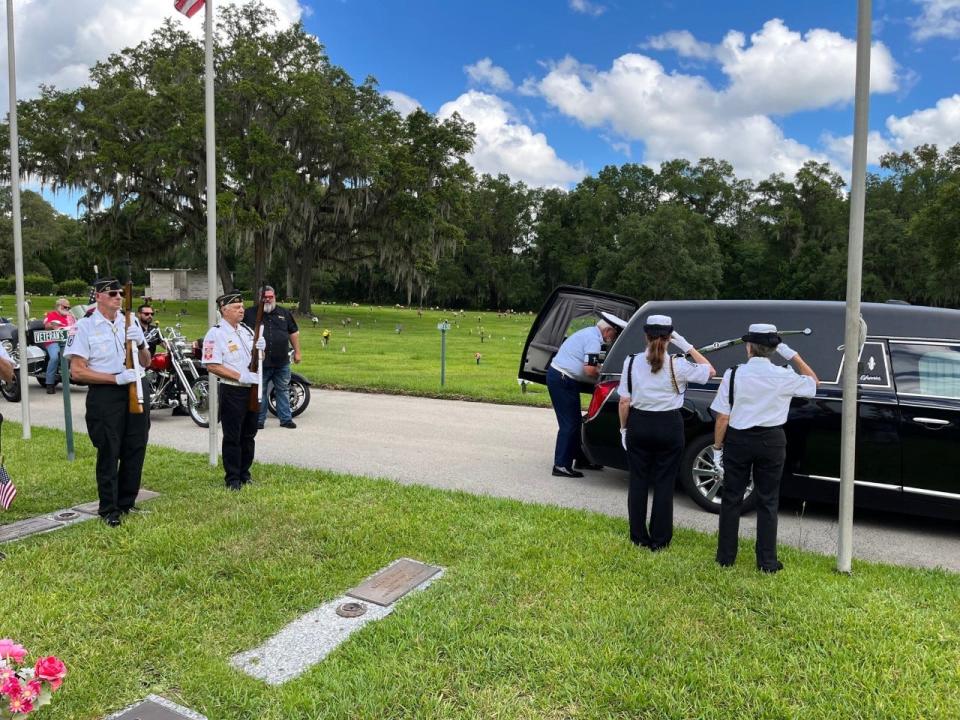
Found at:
[542, 613]
[370, 355]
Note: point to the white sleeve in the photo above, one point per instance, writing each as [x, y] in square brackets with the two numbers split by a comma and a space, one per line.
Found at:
[804, 386]
[212, 352]
[622, 388]
[721, 402]
[692, 372]
[78, 343]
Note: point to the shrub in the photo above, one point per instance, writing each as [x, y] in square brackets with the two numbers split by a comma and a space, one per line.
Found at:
[73, 288]
[8, 286]
[38, 284]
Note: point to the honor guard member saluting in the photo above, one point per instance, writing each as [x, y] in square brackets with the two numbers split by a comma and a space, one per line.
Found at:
[227, 351]
[752, 404]
[651, 429]
[569, 368]
[97, 352]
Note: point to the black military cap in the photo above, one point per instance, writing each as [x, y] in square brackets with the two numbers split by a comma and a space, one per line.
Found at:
[228, 298]
[104, 284]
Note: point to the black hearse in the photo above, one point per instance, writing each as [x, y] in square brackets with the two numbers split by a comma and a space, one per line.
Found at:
[908, 433]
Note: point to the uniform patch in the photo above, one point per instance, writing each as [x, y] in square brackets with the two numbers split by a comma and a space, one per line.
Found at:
[208, 347]
[232, 347]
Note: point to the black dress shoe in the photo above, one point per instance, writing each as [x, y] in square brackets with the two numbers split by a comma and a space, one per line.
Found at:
[566, 472]
[658, 548]
[259, 426]
[584, 465]
[234, 486]
[289, 424]
[725, 563]
[51, 389]
[770, 570]
[112, 520]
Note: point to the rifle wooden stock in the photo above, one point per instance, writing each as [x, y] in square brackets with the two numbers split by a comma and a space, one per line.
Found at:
[253, 402]
[133, 402]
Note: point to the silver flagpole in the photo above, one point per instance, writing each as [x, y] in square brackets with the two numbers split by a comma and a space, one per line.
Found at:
[17, 234]
[851, 341]
[211, 219]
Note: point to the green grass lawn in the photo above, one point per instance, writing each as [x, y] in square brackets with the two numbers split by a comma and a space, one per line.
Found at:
[370, 355]
[542, 613]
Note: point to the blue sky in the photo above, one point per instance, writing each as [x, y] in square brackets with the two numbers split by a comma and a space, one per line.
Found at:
[560, 88]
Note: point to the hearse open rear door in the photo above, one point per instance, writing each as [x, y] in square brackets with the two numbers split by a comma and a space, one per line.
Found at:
[568, 309]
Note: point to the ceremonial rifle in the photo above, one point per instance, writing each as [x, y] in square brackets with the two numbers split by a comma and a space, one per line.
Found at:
[134, 403]
[721, 344]
[253, 402]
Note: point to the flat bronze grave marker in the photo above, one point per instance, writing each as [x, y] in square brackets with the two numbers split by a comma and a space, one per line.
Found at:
[30, 526]
[392, 583]
[157, 708]
[93, 508]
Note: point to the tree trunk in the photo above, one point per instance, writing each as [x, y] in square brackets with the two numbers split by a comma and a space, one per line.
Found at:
[307, 259]
[226, 281]
[259, 261]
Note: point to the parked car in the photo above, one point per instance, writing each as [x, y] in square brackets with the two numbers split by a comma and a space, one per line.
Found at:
[908, 434]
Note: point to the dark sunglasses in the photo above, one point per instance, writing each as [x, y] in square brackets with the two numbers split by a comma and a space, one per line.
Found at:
[113, 293]
[63, 307]
[149, 314]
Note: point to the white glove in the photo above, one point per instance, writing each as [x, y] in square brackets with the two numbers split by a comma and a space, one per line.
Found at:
[623, 437]
[680, 341]
[718, 461]
[786, 352]
[261, 343]
[135, 333]
[126, 376]
[249, 378]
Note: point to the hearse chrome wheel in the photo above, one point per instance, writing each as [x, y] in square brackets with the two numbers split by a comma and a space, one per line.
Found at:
[700, 477]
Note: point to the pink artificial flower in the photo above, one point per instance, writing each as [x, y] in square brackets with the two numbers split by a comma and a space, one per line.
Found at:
[11, 650]
[51, 669]
[11, 687]
[32, 691]
[20, 705]
[5, 673]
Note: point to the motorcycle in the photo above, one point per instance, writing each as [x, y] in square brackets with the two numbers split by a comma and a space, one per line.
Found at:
[176, 380]
[36, 357]
[299, 390]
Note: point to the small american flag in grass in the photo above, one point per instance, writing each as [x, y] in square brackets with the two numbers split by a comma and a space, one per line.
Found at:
[188, 7]
[8, 491]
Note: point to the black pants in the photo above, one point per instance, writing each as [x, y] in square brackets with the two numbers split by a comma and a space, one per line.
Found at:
[565, 396]
[654, 449]
[762, 451]
[120, 438]
[239, 425]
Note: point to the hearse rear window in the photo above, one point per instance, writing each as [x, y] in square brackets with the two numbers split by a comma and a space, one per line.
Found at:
[927, 369]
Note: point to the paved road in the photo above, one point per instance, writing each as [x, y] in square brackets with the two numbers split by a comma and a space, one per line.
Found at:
[503, 451]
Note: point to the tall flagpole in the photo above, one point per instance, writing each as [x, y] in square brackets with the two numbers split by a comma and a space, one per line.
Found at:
[17, 234]
[851, 340]
[211, 219]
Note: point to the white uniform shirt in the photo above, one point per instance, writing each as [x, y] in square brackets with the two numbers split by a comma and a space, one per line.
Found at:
[655, 391]
[101, 342]
[228, 346]
[761, 394]
[572, 354]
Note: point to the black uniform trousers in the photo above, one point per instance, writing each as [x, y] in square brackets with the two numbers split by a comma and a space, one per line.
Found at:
[239, 425]
[763, 451]
[120, 438]
[654, 449]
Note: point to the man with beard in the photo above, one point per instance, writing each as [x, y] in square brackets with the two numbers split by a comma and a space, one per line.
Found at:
[280, 331]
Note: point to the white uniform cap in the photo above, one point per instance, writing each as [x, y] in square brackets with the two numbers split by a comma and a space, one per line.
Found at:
[659, 320]
[763, 328]
[618, 323]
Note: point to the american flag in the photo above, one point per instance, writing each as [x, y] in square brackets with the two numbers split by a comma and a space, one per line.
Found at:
[188, 7]
[8, 491]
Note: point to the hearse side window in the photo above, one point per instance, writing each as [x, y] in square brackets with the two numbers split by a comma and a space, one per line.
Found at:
[927, 369]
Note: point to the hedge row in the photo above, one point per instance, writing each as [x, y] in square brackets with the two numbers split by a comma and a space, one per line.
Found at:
[40, 285]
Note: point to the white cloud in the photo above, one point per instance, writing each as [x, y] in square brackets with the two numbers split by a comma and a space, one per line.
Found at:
[939, 18]
[587, 7]
[485, 74]
[505, 145]
[677, 114]
[58, 41]
[782, 71]
[938, 125]
[683, 43]
[404, 104]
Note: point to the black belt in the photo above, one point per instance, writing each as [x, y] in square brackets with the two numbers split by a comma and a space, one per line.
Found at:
[758, 429]
[637, 411]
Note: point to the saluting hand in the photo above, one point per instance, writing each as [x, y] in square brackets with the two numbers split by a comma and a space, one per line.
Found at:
[786, 352]
[680, 341]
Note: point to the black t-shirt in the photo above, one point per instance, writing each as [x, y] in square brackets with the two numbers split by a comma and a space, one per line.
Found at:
[278, 326]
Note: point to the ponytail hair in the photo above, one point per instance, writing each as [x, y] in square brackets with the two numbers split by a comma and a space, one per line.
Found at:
[657, 351]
